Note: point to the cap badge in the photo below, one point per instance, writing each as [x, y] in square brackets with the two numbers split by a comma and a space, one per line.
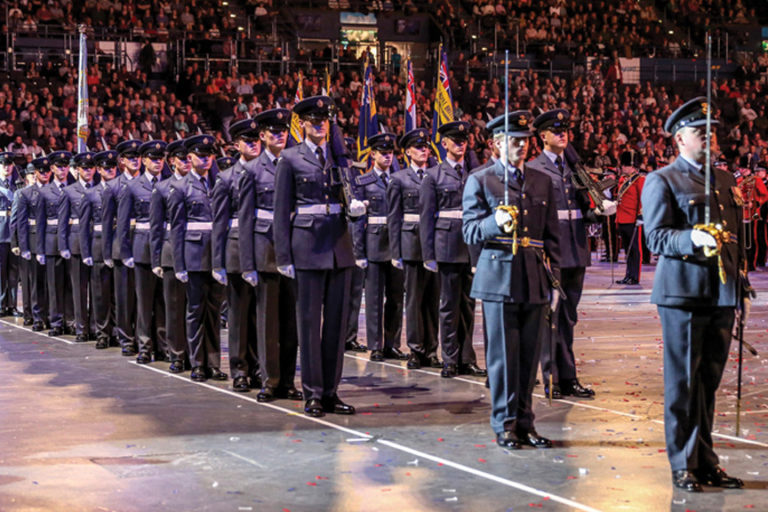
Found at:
[704, 108]
[560, 116]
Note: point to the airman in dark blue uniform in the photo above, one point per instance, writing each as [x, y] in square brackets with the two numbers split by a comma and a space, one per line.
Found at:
[26, 204]
[421, 286]
[573, 210]
[445, 252]
[161, 252]
[124, 278]
[9, 264]
[191, 225]
[275, 293]
[313, 245]
[383, 282]
[69, 241]
[243, 362]
[92, 250]
[60, 303]
[133, 210]
[696, 307]
[511, 277]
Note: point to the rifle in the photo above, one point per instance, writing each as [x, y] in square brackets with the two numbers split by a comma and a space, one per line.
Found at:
[583, 181]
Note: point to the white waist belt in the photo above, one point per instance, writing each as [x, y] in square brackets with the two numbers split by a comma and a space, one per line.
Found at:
[199, 226]
[144, 226]
[32, 222]
[52, 222]
[411, 217]
[234, 223]
[568, 214]
[74, 222]
[319, 209]
[97, 228]
[264, 214]
[449, 214]
[377, 220]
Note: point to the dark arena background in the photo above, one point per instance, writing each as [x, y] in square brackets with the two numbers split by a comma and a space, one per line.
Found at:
[153, 371]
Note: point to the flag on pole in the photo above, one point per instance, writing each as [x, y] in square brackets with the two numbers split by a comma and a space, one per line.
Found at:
[297, 134]
[326, 88]
[368, 123]
[410, 99]
[82, 95]
[443, 111]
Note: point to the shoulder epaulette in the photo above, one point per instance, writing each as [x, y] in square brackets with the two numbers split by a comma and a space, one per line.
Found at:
[366, 179]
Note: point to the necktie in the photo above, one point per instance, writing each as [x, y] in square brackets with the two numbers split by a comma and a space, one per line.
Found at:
[61, 186]
[517, 173]
[420, 172]
[205, 184]
[320, 156]
[154, 180]
[458, 170]
[274, 163]
[559, 164]
[385, 178]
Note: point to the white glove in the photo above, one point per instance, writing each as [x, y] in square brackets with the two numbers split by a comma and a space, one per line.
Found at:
[398, 264]
[26, 255]
[363, 263]
[158, 271]
[182, 276]
[220, 275]
[430, 265]
[554, 301]
[65, 254]
[16, 251]
[639, 222]
[288, 271]
[252, 278]
[109, 263]
[609, 208]
[502, 217]
[357, 208]
[128, 262]
[702, 239]
[40, 259]
[473, 270]
[88, 261]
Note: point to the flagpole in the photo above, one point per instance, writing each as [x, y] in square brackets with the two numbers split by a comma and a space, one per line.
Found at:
[82, 93]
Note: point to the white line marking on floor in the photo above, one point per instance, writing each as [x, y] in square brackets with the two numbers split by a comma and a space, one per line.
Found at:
[39, 333]
[246, 459]
[391, 444]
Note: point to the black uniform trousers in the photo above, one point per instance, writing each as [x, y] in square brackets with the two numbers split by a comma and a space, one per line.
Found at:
[563, 368]
[631, 237]
[150, 312]
[9, 277]
[610, 238]
[321, 316]
[457, 313]
[760, 242]
[512, 357]
[204, 299]
[60, 303]
[38, 291]
[422, 294]
[357, 280]
[79, 275]
[241, 319]
[125, 304]
[175, 297]
[278, 336]
[696, 344]
[103, 299]
[384, 288]
[26, 275]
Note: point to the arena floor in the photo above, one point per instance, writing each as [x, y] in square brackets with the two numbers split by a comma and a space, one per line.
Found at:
[87, 430]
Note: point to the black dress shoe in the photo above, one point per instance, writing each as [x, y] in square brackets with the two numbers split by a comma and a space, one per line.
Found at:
[716, 477]
[176, 367]
[102, 343]
[266, 394]
[198, 374]
[144, 358]
[216, 374]
[289, 393]
[434, 362]
[81, 338]
[472, 369]
[377, 355]
[449, 371]
[240, 384]
[414, 361]
[314, 408]
[128, 351]
[395, 353]
[335, 405]
[38, 326]
[56, 331]
[685, 480]
[354, 346]
[574, 388]
[255, 381]
[508, 440]
[28, 322]
[628, 280]
[533, 438]
[556, 394]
